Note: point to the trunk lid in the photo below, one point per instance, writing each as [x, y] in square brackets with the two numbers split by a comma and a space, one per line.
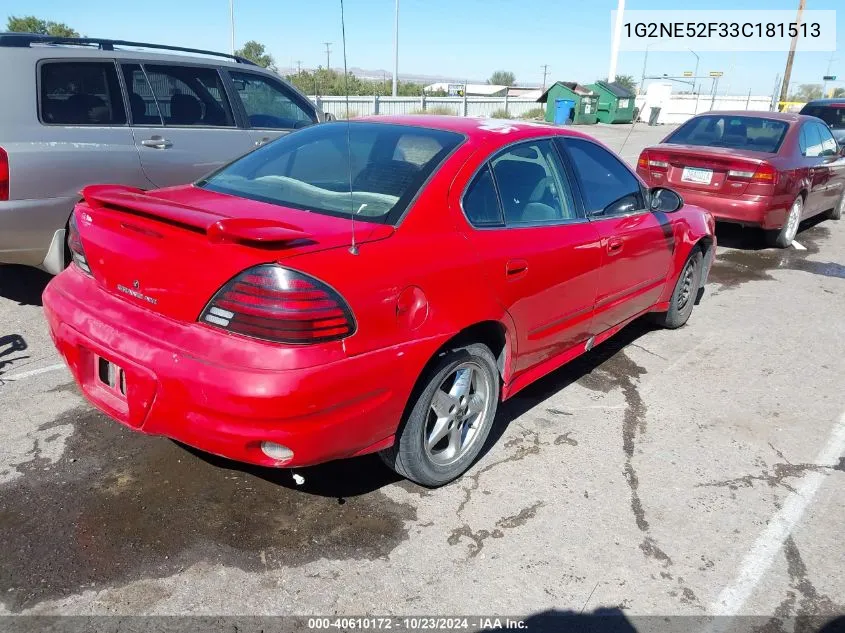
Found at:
[686, 163]
[171, 250]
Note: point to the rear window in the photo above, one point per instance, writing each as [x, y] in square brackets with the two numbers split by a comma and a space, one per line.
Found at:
[81, 93]
[834, 116]
[736, 132]
[312, 169]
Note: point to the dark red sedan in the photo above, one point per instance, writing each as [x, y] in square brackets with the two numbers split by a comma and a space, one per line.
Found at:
[765, 169]
[249, 316]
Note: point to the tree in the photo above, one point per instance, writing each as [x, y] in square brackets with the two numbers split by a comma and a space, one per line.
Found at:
[807, 92]
[626, 81]
[839, 92]
[502, 78]
[256, 52]
[31, 24]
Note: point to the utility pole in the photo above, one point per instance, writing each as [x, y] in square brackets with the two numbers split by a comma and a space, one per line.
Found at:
[232, 24]
[614, 44]
[784, 89]
[827, 73]
[695, 73]
[328, 55]
[641, 87]
[396, 50]
[298, 66]
[545, 72]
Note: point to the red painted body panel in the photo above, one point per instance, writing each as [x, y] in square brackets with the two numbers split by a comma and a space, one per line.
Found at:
[411, 288]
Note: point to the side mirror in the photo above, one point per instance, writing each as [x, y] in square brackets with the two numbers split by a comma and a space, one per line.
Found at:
[665, 200]
[842, 149]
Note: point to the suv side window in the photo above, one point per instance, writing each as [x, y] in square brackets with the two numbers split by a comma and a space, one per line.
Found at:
[532, 185]
[810, 141]
[607, 186]
[143, 109]
[80, 93]
[190, 96]
[828, 143]
[267, 104]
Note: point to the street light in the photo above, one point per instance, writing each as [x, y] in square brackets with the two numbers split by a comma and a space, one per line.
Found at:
[695, 74]
[232, 23]
[396, 49]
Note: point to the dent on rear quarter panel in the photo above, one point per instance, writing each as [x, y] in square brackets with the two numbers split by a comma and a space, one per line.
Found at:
[689, 226]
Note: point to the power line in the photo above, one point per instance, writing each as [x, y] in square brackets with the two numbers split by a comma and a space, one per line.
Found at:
[328, 55]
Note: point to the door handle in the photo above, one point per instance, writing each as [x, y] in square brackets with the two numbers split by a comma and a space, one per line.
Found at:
[614, 245]
[516, 268]
[266, 139]
[157, 142]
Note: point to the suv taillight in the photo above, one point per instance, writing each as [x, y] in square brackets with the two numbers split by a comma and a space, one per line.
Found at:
[4, 175]
[281, 305]
[75, 245]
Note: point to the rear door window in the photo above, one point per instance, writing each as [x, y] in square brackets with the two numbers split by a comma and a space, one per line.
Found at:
[269, 105]
[143, 109]
[80, 93]
[190, 96]
[828, 143]
[810, 141]
[481, 202]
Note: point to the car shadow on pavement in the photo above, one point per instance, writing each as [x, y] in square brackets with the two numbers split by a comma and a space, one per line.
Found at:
[747, 238]
[23, 284]
[602, 620]
[11, 344]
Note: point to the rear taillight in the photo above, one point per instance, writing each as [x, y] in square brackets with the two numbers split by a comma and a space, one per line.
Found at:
[653, 161]
[281, 305]
[74, 243]
[4, 175]
[763, 173]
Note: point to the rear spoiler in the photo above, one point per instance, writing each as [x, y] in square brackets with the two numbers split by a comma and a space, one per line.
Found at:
[218, 228]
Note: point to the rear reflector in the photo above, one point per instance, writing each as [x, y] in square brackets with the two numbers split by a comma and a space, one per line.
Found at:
[4, 175]
[277, 304]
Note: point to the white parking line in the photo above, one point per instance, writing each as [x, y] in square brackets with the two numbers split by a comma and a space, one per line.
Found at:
[761, 555]
[798, 246]
[35, 372]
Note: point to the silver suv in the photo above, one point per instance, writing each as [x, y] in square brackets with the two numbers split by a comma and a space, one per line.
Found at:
[79, 111]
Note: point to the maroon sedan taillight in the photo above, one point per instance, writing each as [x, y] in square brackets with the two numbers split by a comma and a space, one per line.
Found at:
[653, 161]
[277, 304]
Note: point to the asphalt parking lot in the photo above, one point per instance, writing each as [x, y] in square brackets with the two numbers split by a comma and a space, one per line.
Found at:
[696, 471]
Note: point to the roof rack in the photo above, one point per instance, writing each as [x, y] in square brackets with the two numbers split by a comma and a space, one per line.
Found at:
[24, 40]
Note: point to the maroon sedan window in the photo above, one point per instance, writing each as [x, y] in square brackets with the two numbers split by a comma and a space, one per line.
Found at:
[736, 132]
[373, 170]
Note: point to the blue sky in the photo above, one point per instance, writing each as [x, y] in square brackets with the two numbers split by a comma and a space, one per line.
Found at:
[460, 38]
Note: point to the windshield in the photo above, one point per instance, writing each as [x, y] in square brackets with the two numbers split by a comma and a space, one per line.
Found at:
[736, 132]
[311, 169]
[834, 116]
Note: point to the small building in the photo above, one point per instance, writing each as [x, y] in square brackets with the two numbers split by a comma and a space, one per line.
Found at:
[616, 102]
[586, 102]
[524, 92]
[472, 90]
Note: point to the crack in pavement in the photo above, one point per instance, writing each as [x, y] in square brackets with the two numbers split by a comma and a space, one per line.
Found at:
[813, 608]
[505, 523]
[773, 479]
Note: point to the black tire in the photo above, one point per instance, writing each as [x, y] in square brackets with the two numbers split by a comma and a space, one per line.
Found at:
[786, 235]
[684, 294]
[408, 456]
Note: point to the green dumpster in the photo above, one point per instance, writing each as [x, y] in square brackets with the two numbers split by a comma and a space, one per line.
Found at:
[616, 103]
[586, 103]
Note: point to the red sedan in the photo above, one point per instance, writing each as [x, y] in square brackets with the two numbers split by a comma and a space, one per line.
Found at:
[376, 286]
[764, 169]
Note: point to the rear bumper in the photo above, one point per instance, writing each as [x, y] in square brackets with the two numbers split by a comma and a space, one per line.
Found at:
[339, 409]
[768, 212]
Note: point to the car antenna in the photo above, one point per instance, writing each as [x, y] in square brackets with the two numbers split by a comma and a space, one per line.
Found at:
[353, 248]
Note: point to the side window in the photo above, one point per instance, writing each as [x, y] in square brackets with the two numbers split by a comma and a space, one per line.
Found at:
[481, 204]
[607, 186]
[81, 93]
[810, 140]
[190, 96]
[829, 147]
[532, 185]
[268, 104]
[143, 109]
